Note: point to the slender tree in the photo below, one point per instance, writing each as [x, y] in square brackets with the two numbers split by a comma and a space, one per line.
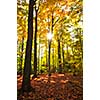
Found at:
[37, 4]
[22, 53]
[26, 86]
[59, 56]
[39, 55]
[63, 54]
[35, 44]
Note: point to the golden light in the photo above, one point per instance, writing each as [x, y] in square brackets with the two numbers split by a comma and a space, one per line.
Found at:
[27, 1]
[49, 35]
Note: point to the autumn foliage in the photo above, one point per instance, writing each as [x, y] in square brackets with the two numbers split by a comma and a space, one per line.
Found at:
[60, 56]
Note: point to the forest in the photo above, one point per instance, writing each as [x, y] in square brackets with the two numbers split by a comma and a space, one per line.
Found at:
[50, 49]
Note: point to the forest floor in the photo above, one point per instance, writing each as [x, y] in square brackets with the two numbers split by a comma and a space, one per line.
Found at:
[55, 87]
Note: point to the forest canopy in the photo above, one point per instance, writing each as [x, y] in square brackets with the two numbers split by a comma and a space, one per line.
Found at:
[63, 19]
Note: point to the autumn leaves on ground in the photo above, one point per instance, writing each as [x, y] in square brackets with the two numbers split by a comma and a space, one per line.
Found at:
[56, 87]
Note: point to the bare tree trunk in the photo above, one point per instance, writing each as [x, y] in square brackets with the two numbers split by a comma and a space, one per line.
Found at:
[26, 86]
[39, 57]
[22, 53]
[59, 57]
[53, 57]
[49, 44]
[63, 54]
[67, 55]
[35, 46]
[73, 52]
[46, 56]
[18, 62]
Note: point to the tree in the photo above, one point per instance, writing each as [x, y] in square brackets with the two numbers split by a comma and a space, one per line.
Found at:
[35, 37]
[21, 32]
[26, 86]
[35, 44]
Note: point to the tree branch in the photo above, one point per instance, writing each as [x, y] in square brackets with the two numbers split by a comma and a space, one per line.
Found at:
[56, 21]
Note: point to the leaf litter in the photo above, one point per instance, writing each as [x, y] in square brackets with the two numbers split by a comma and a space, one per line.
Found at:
[55, 87]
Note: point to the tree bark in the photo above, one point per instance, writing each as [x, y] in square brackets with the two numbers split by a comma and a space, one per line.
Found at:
[63, 54]
[46, 55]
[26, 86]
[67, 55]
[59, 57]
[53, 57]
[49, 44]
[22, 53]
[39, 57]
[35, 46]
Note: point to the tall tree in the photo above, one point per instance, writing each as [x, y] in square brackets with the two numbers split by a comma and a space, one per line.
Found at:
[37, 4]
[26, 86]
[59, 56]
[63, 53]
[22, 53]
[35, 44]
[21, 31]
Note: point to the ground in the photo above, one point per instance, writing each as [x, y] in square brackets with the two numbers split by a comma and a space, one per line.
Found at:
[56, 87]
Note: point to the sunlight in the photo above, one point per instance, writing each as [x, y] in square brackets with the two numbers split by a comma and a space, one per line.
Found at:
[48, 19]
[61, 75]
[72, 35]
[71, 29]
[64, 81]
[80, 23]
[63, 7]
[34, 13]
[65, 48]
[45, 81]
[68, 9]
[52, 81]
[49, 35]
[27, 1]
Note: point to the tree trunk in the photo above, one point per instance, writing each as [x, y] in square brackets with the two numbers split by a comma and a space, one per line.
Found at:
[46, 55]
[67, 55]
[53, 57]
[49, 44]
[59, 57]
[27, 65]
[63, 54]
[39, 57]
[35, 46]
[22, 53]
[73, 52]
[18, 55]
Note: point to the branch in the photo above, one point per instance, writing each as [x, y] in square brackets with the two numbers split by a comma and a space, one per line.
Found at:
[56, 21]
[37, 2]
